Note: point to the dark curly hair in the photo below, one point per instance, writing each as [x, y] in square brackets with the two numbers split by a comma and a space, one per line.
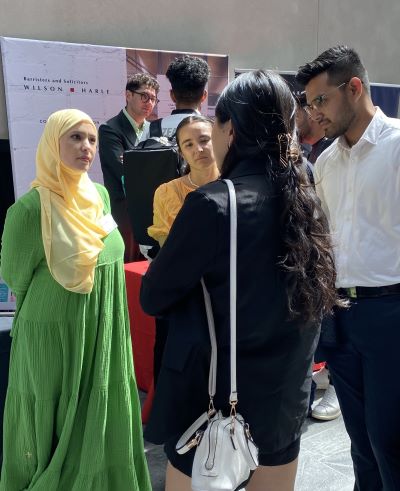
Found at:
[139, 79]
[341, 64]
[262, 111]
[188, 76]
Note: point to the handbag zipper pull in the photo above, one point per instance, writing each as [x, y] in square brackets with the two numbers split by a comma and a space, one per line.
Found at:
[196, 440]
[211, 409]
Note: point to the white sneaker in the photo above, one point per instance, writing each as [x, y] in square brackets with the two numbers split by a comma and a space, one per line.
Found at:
[328, 408]
[321, 378]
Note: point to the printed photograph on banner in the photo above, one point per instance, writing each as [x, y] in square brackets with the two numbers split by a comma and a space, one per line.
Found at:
[156, 63]
[41, 77]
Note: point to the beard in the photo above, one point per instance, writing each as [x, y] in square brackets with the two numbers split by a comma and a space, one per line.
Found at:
[339, 128]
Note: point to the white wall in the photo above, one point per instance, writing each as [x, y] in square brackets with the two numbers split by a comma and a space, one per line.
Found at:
[281, 34]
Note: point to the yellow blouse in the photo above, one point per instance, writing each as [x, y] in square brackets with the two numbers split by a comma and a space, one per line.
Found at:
[168, 200]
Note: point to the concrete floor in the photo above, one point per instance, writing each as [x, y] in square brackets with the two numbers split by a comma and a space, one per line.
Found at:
[324, 462]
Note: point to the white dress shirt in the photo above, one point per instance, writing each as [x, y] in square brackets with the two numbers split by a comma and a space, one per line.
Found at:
[359, 188]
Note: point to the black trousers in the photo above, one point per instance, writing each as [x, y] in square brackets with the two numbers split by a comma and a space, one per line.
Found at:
[5, 348]
[365, 370]
[159, 346]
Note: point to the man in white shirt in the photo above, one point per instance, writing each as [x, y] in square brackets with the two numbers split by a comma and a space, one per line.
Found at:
[358, 181]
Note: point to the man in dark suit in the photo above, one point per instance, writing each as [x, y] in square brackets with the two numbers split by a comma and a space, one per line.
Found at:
[120, 133]
[313, 142]
[311, 135]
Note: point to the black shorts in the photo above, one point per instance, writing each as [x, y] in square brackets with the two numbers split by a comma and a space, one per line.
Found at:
[184, 462]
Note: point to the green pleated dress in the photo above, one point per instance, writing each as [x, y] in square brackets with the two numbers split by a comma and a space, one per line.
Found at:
[72, 414]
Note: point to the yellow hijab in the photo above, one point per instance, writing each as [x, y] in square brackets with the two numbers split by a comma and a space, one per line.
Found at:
[71, 208]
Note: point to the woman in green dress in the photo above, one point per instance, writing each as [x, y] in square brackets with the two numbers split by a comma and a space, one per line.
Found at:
[72, 414]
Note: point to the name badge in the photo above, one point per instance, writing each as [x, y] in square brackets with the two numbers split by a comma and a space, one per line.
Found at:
[108, 223]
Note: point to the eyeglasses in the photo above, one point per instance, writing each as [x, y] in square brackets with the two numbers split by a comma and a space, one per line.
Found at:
[319, 102]
[145, 97]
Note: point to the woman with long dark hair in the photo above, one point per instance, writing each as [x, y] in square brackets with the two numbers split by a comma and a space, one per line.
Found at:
[285, 283]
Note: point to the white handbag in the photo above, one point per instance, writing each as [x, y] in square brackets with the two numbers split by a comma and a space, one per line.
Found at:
[225, 453]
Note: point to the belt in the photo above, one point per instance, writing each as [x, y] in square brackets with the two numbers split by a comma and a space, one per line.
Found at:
[370, 291]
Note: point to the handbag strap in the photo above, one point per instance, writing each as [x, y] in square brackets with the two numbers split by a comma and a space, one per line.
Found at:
[185, 443]
[233, 286]
[212, 378]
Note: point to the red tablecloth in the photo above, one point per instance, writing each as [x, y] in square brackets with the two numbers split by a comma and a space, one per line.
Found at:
[142, 326]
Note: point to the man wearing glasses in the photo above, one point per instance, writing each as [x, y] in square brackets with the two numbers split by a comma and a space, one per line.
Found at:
[358, 181]
[310, 134]
[120, 133]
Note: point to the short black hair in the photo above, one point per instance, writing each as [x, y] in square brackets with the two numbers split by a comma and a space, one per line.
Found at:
[301, 98]
[139, 79]
[341, 64]
[295, 87]
[188, 76]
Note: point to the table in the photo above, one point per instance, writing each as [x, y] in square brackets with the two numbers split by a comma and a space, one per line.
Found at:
[142, 333]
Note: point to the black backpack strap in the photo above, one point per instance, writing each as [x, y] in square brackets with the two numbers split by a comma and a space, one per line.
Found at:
[155, 128]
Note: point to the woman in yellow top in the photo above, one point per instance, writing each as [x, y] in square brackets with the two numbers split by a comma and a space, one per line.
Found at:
[72, 414]
[193, 136]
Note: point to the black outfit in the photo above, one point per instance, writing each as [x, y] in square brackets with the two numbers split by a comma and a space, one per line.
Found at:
[5, 349]
[318, 148]
[164, 127]
[311, 153]
[274, 355]
[116, 136]
[360, 357]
